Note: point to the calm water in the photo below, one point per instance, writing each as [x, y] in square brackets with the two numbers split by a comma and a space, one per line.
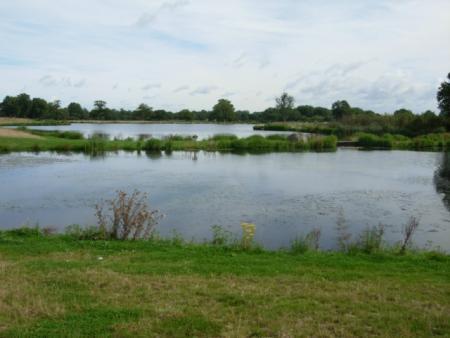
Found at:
[121, 130]
[284, 194]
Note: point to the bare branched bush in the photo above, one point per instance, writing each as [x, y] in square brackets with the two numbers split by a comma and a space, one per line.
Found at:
[127, 216]
[408, 231]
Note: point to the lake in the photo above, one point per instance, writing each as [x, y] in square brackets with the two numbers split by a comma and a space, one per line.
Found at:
[159, 130]
[284, 194]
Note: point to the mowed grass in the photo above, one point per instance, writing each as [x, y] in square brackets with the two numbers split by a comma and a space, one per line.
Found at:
[57, 286]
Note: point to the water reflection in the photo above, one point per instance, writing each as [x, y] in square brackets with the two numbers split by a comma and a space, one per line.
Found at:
[442, 178]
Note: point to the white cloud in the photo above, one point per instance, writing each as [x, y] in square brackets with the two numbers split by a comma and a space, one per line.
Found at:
[378, 55]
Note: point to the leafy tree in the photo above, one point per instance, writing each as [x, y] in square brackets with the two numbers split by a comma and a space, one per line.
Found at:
[284, 104]
[39, 108]
[143, 112]
[185, 115]
[341, 109]
[9, 107]
[223, 111]
[100, 112]
[443, 97]
[24, 103]
[75, 111]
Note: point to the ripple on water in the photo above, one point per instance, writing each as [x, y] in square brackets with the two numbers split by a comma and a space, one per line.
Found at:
[20, 160]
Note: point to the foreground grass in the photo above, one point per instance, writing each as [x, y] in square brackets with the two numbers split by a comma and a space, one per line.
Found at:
[58, 286]
[73, 141]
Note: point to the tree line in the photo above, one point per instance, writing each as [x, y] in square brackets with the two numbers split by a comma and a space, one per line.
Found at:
[24, 106]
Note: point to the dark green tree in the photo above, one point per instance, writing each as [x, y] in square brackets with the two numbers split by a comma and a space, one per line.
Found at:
[284, 105]
[39, 108]
[341, 109]
[9, 107]
[443, 97]
[223, 111]
[144, 112]
[75, 111]
[100, 111]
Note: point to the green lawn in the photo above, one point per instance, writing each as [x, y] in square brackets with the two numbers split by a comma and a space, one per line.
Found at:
[57, 286]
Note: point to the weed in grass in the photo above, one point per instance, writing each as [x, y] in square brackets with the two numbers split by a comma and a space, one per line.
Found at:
[248, 235]
[304, 243]
[343, 234]
[371, 239]
[408, 232]
[222, 237]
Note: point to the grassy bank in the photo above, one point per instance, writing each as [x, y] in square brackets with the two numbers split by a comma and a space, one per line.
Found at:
[367, 140]
[60, 286]
[73, 141]
[16, 121]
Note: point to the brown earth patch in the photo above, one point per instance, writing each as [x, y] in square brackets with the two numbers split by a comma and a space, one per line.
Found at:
[6, 132]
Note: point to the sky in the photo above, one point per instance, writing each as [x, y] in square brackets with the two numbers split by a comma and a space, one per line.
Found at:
[174, 54]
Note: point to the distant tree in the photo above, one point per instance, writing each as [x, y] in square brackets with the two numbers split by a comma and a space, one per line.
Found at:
[55, 112]
[100, 112]
[284, 104]
[9, 107]
[341, 109]
[39, 108]
[143, 112]
[223, 111]
[443, 97]
[75, 111]
[185, 115]
[24, 102]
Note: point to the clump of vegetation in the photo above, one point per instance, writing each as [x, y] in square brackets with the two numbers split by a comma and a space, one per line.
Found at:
[224, 137]
[127, 217]
[408, 232]
[371, 239]
[304, 243]
[71, 135]
[343, 234]
[78, 232]
[248, 235]
[374, 141]
[153, 144]
[222, 237]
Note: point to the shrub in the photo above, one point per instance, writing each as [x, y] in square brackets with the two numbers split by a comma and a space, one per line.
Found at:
[371, 239]
[130, 218]
[373, 141]
[76, 231]
[304, 243]
[224, 137]
[152, 145]
[221, 237]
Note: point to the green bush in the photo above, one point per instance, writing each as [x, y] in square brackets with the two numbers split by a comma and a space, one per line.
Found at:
[78, 232]
[153, 145]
